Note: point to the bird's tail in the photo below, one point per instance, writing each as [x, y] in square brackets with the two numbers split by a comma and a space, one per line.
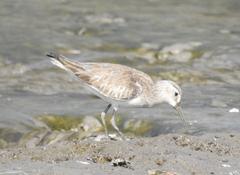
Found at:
[62, 62]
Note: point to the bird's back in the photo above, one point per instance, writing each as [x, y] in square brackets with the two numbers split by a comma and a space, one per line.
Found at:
[111, 81]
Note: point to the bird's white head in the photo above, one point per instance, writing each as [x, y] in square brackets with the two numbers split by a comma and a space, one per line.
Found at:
[168, 91]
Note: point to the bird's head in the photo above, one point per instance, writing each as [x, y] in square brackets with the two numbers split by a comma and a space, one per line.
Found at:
[171, 93]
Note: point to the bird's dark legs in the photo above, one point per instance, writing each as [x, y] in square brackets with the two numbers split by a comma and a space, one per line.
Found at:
[103, 114]
[113, 122]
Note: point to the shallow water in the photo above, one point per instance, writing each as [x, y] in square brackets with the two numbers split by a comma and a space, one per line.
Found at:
[195, 43]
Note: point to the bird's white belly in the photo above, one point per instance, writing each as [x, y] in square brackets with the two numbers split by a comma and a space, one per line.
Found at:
[139, 101]
[136, 102]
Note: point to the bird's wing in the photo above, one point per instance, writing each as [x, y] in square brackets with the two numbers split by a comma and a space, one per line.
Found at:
[113, 81]
[116, 81]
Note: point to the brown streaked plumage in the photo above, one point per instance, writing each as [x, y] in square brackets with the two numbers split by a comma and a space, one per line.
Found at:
[114, 81]
[120, 85]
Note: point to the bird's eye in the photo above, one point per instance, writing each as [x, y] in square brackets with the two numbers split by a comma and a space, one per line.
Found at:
[176, 94]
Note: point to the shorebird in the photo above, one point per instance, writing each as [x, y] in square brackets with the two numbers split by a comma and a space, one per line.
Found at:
[121, 85]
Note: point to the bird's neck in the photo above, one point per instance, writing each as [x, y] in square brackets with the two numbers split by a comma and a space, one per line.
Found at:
[157, 96]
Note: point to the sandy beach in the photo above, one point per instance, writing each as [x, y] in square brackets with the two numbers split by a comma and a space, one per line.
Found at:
[172, 153]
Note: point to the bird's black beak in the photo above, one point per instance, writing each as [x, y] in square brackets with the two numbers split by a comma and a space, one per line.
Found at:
[180, 114]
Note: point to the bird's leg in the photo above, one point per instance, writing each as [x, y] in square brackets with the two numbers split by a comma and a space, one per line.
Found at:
[113, 122]
[103, 114]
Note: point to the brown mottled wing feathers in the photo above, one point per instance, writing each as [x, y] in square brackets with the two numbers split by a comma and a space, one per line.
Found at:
[116, 84]
[114, 81]
[75, 67]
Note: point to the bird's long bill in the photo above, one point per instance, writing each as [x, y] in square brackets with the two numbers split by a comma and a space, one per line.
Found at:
[180, 114]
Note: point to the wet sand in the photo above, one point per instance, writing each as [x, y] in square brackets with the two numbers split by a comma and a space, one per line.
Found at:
[176, 153]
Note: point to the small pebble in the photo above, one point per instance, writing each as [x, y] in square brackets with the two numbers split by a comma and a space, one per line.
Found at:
[234, 110]
[83, 162]
[154, 172]
[120, 162]
[160, 162]
[100, 138]
[226, 165]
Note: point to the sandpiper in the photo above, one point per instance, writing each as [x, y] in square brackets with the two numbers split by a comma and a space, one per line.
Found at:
[120, 85]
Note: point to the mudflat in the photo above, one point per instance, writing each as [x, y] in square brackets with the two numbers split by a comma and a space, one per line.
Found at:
[172, 153]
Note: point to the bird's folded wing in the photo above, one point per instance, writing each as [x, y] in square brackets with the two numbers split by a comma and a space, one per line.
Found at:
[114, 81]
